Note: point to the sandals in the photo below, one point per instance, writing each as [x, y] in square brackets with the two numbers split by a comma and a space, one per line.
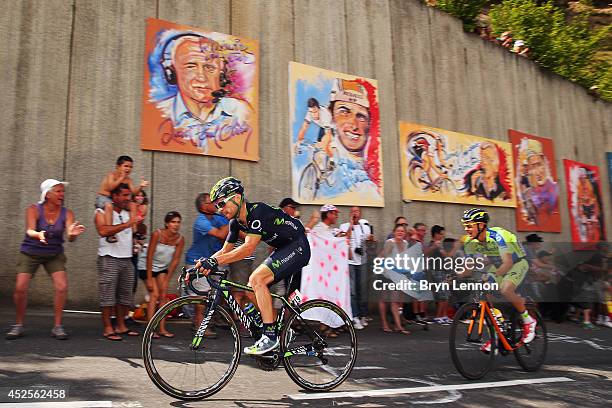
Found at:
[128, 333]
[386, 330]
[166, 334]
[403, 331]
[112, 337]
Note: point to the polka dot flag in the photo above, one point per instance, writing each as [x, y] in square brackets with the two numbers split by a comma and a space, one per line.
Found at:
[326, 276]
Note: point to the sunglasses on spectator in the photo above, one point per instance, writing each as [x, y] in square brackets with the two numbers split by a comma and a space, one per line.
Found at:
[403, 224]
[222, 203]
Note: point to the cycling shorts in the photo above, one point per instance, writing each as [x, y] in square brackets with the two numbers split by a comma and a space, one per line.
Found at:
[289, 259]
[515, 275]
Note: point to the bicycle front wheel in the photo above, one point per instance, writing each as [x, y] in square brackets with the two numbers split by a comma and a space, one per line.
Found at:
[531, 356]
[174, 366]
[309, 184]
[468, 342]
[319, 347]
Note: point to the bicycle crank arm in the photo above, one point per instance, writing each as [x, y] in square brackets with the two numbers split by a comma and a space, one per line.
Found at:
[307, 350]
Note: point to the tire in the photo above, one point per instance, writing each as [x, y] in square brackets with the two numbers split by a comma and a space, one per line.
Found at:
[414, 174]
[338, 353]
[309, 184]
[167, 359]
[531, 356]
[465, 349]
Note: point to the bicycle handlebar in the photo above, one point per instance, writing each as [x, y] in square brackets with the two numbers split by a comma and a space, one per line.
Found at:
[193, 271]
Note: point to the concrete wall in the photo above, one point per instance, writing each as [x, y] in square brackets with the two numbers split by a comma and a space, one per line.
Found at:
[72, 83]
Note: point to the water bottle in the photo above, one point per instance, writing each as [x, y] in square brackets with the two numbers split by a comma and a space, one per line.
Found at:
[499, 318]
[250, 310]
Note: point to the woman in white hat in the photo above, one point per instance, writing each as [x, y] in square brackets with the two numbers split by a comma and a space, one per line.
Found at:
[46, 224]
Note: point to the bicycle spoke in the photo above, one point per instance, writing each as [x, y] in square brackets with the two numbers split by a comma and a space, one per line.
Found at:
[316, 357]
[468, 346]
[176, 368]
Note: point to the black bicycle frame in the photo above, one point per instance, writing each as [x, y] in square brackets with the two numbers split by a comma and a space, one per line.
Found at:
[222, 289]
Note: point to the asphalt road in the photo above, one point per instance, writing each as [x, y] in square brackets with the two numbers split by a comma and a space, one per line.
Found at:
[100, 373]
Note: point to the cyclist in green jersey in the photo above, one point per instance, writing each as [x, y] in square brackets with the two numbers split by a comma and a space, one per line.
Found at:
[507, 256]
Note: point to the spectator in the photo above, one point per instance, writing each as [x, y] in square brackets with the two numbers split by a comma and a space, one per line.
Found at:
[358, 231]
[520, 48]
[157, 264]
[505, 39]
[543, 276]
[329, 218]
[209, 233]
[417, 234]
[142, 206]
[393, 247]
[115, 268]
[436, 254]
[140, 235]
[46, 224]
[399, 221]
[586, 283]
[290, 206]
[421, 230]
[121, 175]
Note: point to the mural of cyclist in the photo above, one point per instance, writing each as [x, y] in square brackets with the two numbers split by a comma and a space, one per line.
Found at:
[433, 163]
[320, 116]
[350, 108]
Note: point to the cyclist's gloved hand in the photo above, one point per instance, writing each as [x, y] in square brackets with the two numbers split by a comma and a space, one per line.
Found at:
[207, 265]
[489, 278]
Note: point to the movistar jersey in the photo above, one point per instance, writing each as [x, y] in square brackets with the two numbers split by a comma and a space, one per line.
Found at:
[498, 242]
[275, 227]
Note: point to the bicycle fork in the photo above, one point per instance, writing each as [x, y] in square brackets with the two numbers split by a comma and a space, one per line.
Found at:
[197, 339]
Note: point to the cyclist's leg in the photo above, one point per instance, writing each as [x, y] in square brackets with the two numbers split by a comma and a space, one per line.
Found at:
[259, 280]
[511, 280]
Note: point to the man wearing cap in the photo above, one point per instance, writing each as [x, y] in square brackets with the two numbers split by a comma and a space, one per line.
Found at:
[329, 218]
[46, 224]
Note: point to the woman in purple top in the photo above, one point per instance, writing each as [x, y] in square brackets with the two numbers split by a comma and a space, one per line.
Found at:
[46, 224]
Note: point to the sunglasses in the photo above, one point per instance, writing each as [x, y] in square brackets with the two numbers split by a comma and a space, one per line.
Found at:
[222, 203]
[403, 224]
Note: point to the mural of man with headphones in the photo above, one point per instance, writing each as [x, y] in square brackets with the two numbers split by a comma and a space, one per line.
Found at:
[201, 109]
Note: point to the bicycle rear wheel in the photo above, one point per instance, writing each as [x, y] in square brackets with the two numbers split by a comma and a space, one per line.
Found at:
[467, 345]
[531, 356]
[316, 357]
[178, 370]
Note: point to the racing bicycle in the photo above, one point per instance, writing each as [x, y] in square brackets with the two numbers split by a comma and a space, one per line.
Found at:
[475, 323]
[193, 366]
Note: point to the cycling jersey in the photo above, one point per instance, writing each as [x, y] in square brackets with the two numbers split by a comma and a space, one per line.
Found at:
[498, 242]
[279, 230]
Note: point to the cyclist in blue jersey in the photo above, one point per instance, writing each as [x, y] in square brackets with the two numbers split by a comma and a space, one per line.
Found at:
[509, 265]
[260, 222]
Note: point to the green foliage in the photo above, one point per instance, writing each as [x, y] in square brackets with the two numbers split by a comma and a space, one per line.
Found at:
[566, 48]
[466, 10]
